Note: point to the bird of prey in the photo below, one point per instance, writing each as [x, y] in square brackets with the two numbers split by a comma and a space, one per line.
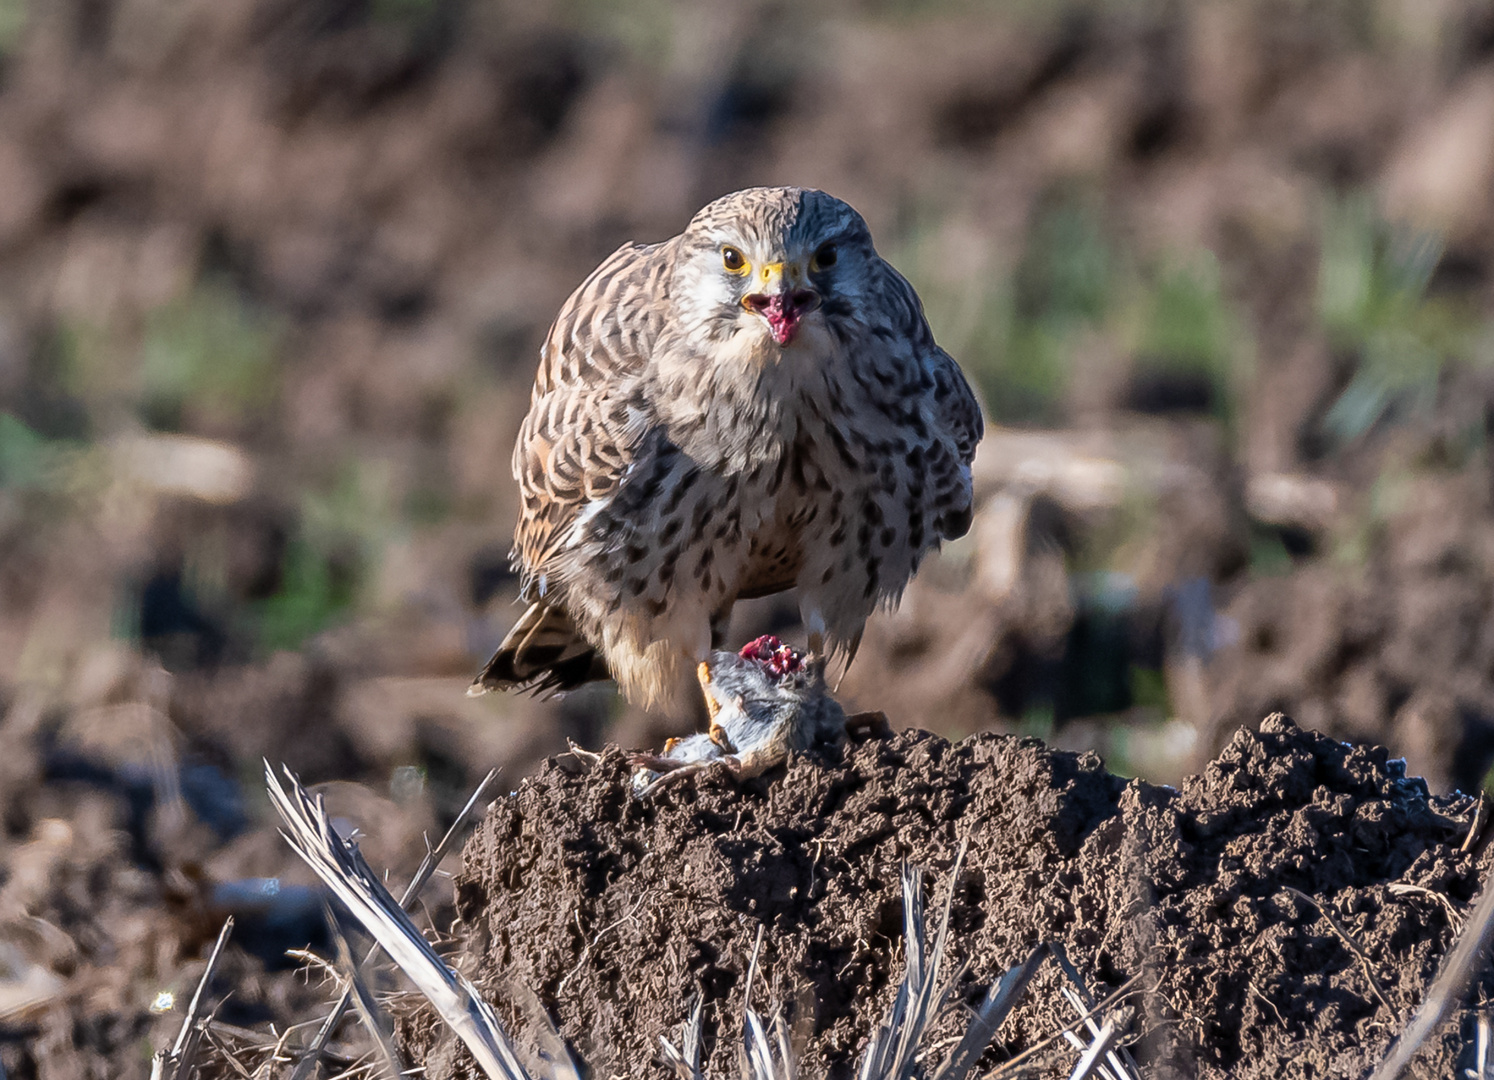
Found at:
[752, 406]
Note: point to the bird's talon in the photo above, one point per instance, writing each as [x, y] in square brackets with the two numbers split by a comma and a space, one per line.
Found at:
[703, 675]
[591, 757]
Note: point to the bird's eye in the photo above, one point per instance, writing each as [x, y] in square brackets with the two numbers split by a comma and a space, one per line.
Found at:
[824, 258]
[733, 259]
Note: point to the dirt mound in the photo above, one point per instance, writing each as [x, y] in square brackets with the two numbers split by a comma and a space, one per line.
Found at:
[1396, 650]
[616, 911]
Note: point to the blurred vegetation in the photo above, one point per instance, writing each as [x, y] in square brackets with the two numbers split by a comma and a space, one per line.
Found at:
[1191, 350]
[13, 17]
[1016, 333]
[1189, 341]
[207, 361]
[646, 29]
[25, 456]
[1076, 283]
[343, 530]
[58, 474]
[209, 357]
[316, 589]
[1269, 554]
[1062, 288]
[405, 11]
[1374, 306]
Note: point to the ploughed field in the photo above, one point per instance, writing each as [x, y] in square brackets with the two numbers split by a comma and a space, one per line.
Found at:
[1226, 908]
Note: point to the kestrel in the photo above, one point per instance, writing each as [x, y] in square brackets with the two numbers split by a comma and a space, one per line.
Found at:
[753, 406]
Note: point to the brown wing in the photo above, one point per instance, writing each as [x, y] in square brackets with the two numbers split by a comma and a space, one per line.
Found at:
[586, 416]
[955, 404]
[956, 413]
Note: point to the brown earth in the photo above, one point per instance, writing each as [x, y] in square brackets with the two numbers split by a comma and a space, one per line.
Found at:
[616, 910]
[1396, 648]
[388, 199]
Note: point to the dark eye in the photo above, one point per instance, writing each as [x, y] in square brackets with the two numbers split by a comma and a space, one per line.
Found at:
[824, 258]
[733, 259]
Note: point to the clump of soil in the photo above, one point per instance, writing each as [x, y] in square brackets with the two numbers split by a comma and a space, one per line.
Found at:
[616, 910]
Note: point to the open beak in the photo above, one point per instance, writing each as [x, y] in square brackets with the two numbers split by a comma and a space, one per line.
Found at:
[781, 300]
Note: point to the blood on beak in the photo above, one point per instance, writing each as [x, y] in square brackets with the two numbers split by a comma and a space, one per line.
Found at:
[782, 311]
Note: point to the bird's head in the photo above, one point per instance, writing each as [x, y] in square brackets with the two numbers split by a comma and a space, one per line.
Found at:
[771, 263]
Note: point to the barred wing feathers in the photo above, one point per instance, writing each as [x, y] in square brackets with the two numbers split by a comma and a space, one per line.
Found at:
[586, 422]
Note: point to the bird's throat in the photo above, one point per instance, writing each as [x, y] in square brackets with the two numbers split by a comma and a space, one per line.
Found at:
[782, 316]
[782, 311]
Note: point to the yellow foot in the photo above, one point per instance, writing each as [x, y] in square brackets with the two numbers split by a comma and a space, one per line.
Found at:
[703, 673]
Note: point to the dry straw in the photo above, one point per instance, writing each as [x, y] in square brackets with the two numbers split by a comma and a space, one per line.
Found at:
[344, 871]
[178, 1062]
[1466, 961]
[433, 856]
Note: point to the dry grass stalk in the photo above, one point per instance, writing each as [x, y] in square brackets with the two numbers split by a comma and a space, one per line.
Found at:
[1348, 940]
[1480, 1068]
[177, 1063]
[892, 1053]
[433, 856]
[343, 869]
[1458, 969]
[1119, 1064]
[1453, 911]
[374, 1020]
[1476, 826]
[766, 1050]
[1097, 1050]
[685, 1061]
[555, 1058]
[1000, 1000]
[1018, 1064]
[765, 1053]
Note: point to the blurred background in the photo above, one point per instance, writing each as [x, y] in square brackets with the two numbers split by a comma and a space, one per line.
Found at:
[273, 278]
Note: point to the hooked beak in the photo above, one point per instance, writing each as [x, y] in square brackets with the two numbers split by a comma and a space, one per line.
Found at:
[779, 302]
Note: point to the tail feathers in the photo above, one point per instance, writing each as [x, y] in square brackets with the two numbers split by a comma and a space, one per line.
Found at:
[543, 654]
